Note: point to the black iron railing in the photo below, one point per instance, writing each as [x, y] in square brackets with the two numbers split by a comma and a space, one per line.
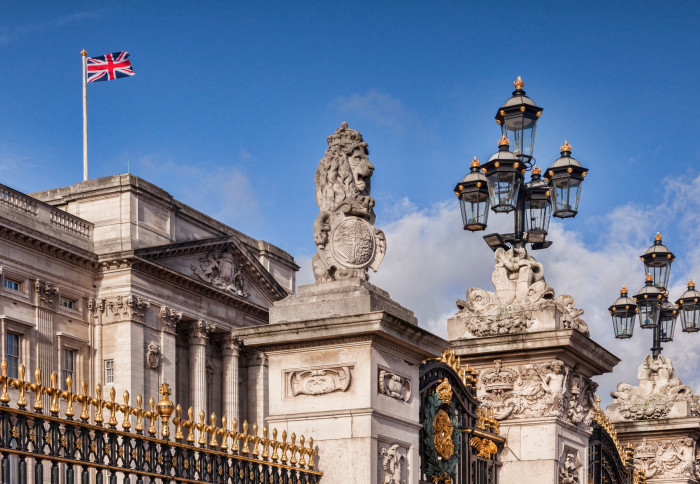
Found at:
[88, 449]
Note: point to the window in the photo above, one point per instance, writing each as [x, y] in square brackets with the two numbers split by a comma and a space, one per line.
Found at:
[68, 303]
[68, 366]
[109, 371]
[13, 354]
[10, 284]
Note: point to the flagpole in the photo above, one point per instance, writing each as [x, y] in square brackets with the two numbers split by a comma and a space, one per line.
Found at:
[85, 138]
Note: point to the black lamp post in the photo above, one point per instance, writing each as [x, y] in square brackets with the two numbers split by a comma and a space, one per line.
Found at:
[499, 184]
[655, 311]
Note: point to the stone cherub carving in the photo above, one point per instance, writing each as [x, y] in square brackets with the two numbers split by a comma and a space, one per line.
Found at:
[344, 233]
[523, 301]
[659, 394]
[568, 469]
[221, 272]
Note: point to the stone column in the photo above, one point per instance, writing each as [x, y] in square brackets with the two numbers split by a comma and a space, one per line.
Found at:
[230, 349]
[199, 336]
[169, 319]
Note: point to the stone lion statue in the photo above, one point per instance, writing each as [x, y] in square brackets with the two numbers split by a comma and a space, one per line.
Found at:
[344, 229]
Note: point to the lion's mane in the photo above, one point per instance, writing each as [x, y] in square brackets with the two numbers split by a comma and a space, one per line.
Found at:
[335, 183]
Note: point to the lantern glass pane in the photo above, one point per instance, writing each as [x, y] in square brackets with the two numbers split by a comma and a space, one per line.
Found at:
[623, 325]
[690, 318]
[648, 314]
[503, 190]
[520, 130]
[537, 214]
[475, 210]
[666, 326]
[660, 270]
[566, 194]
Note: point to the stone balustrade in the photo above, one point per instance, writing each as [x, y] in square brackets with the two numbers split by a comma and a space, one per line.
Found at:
[44, 213]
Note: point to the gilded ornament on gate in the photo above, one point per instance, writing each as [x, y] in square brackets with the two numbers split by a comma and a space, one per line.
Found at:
[442, 435]
[444, 389]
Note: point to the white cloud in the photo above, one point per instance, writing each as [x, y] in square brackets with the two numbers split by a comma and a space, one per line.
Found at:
[10, 35]
[378, 107]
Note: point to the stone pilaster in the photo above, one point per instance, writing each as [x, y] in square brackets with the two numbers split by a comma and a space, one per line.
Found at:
[230, 349]
[258, 388]
[169, 319]
[199, 337]
[45, 300]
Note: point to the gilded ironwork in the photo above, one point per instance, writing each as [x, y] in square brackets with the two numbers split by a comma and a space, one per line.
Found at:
[93, 443]
[484, 447]
[442, 435]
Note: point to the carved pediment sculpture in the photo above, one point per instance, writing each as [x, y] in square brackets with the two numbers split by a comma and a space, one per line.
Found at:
[523, 301]
[221, 271]
[660, 394]
[347, 242]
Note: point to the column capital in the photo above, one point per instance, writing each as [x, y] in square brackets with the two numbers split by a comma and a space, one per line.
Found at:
[230, 345]
[199, 332]
[169, 319]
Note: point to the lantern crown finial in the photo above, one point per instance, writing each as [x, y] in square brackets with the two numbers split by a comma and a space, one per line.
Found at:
[648, 278]
[474, 163]
[657, 237]
[565, 147]
[536, 170]
[623, 291]
[519, 83]
[691, 283]
[503, 141]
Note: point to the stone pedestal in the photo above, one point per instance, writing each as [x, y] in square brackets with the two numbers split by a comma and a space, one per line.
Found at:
[346, 374]
[538, 385]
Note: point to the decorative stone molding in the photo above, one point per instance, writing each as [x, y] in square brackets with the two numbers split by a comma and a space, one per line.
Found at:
[667, 459]
[394, 386]
[393, 464]
[660, 394]
[348, 243]
[96, 306]
[569, 465]
[46, 293]
[169, 319]
[221, 271]
[318, 381]
[153, 356]
[523, 302]
[130, 307]
[200, 331]
[548, 389]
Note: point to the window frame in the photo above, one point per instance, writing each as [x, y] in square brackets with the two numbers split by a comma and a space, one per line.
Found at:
[108, 381]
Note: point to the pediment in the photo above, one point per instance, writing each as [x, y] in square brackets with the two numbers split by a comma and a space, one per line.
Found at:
[222, 263]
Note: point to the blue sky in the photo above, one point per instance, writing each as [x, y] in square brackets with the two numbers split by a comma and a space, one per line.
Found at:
[232, 101]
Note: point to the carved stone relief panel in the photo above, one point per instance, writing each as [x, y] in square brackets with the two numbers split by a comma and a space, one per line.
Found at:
[547, 389]
[569, 466]
[152, 356]
[392, 463]
[667, 459]
[46, 293]
[394, 385]
[318, 381]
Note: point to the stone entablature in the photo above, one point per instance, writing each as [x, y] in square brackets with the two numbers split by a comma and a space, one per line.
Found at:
[522, 303]
[660, 394]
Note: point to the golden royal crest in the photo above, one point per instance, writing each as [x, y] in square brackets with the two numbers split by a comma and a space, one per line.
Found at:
[442, 434]
[444, 389]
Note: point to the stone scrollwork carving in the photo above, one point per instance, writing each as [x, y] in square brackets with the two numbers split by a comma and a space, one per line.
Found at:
[152, 356]
[46, 293]
[221, 271]
[347, 241]
[660, 394]
[169, 318]
[523, 302]
[667, 459]
[394, 386]
[319, 381]
[545, 389]
[393, 462]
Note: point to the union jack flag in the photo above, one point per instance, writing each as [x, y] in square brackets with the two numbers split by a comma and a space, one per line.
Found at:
[108, 67]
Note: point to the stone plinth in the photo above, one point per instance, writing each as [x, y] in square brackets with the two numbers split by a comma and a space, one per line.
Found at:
[347, 378]
[539, 386]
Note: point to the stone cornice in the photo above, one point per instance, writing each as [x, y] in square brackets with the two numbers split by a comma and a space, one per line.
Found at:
[45, 244]
[249, 263]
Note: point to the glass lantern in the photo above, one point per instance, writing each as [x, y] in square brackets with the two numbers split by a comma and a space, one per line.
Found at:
[667, 321]
[623, 312]
[473, 196]
[565, 176]
[657, 262]
[538, 207]
[504, 172]
[689, 309]
[649, 299]
[518, 120]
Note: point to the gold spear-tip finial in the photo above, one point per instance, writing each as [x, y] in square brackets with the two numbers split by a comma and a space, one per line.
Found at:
[83, 52]
[518, 83]
[474, 163]
[503, 141]
[566, 146]
[657, 237]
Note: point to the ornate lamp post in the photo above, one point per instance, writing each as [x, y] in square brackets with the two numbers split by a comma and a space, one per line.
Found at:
[655, 311]
[499, 184]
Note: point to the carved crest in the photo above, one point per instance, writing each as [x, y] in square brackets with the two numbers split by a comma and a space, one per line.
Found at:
[394, 386]
[221, 271]
[152, 356]
[319, 381]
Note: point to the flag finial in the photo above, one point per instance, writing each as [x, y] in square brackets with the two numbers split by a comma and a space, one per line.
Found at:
[83, 52]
